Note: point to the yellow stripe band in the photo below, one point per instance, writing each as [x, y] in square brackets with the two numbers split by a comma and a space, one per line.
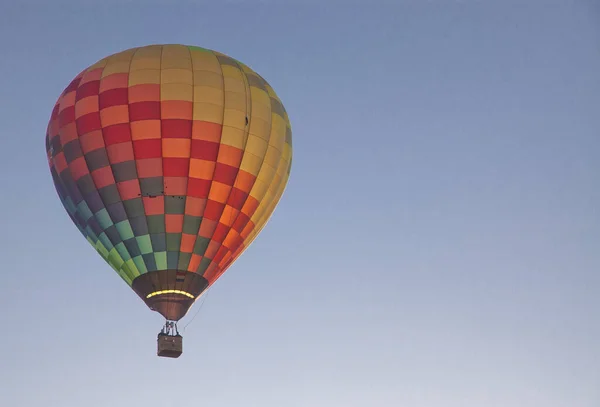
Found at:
[169, 292]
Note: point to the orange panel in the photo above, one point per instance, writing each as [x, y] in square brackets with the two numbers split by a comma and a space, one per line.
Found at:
[208, 131]
[176, 109]
[145, 129]
[201, 169]
[114, 115]
[144, 93]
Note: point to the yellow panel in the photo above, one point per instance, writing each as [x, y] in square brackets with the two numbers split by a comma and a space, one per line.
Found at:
[259, 190]
[123, 56]
[208, 94]
[271, 92]
[176, 75]
[267, 173]
[260, 96]
[115, 67]
[231, 72]
[145, 76]
[278, 124]
[256, 146]
[206, 78]
[150, 51]
[100, 64]
[260, 128]
[233, 137]
[234, 118]
[208, 112]
[139, 63]
[176, 91]
[251, 164]
[263, 212]
[234, 85]
[176, 56]
[272, 156]
[246, 68]
[261, 111]
[236, 100]
[205, 61]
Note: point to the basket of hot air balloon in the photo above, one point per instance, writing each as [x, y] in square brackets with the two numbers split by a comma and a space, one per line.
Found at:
[169, 159]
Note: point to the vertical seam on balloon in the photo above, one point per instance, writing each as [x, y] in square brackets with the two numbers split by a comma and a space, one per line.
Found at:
[162, 163]
[137, 177]
[185, 195]
[215, 166]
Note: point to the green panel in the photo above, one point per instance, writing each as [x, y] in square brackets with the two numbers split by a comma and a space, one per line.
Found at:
[144, 243]
[133, 267]
[104, 219]
[184, 261]
[123, 251]
[84, 210]
[204, 263]
[173, 242]
[124, 229]
[161, 260]
[141, 266]
[115, 259]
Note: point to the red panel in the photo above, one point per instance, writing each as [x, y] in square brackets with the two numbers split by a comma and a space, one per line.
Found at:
[173, 223]
[213, 210]
[187, 243]
[176, 167]
[237, 198]
[73, 85]
[149, 167]
[68, 133]
[144, 111]
[103, 177]
[207, 228]
[220, 232]
[175, 185]
[60, 162]
[91, 141]
[176, 128]
[220, 254]
[66, 116]
[240, 222]
[113, 97]
[225, 173]
[149, 148]
[129, 189]
[205, 150]
[88, 123]
[117, 133]
[198, 188]
[154, 206]
[118, 153]
[78, 168]
[91, 88]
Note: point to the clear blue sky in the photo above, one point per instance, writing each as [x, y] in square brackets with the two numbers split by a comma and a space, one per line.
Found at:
[438, 244]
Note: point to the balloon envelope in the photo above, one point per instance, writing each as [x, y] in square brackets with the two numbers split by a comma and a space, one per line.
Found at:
[169, 159]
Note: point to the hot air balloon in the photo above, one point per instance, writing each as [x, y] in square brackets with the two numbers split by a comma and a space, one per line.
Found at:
[170, 160]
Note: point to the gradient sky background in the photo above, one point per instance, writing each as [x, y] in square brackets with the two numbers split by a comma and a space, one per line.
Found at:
[438, 244]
